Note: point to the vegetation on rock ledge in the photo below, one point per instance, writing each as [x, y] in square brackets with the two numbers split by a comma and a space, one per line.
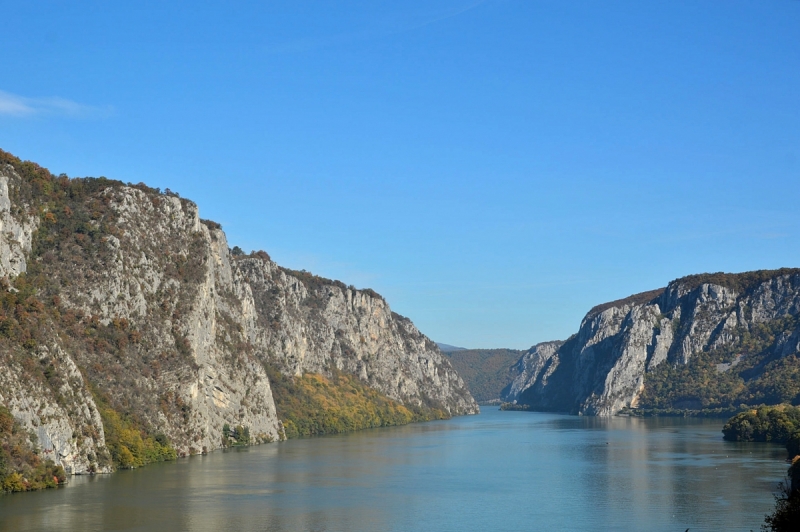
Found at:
[315, 405]
[21, 466]
[129, 443]
[744, 372]
[780, 424]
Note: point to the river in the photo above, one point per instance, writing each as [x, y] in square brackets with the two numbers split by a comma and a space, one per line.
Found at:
[497, 471]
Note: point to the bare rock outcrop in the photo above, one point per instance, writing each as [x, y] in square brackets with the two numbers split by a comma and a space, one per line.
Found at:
[310, 324]
[603, 368]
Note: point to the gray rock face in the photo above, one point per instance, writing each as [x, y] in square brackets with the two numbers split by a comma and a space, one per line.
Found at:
[602, 368]
[309, 324]
[165, 322]
[534, 366]
[55, 422]
[16, 230]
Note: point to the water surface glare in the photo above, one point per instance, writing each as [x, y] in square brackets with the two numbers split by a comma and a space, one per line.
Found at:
[495, 471]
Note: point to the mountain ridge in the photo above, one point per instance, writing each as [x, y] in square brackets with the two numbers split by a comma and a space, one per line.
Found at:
[120, 303]
[706, 341]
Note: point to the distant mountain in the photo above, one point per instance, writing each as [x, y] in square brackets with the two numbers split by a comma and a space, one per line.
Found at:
[487, 372]
[708, 342]
[447, 348]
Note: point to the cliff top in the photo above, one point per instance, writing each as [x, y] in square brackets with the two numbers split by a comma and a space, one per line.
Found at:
[738, 282]
[39, 185]
[635, 299]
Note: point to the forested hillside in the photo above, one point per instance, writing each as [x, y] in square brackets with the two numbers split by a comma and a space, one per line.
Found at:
[485, 371]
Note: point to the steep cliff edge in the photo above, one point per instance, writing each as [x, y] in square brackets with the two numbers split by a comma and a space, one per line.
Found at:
[128, 327]
[309, 324]
[711, 341]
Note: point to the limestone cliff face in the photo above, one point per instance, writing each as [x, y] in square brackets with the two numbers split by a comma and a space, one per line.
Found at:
[17, 229]
[139, 303]
[169, 276]
[310, 324]
[65, 419]
[54, 413]
[602, 369]
[159, 286]
[535, 365]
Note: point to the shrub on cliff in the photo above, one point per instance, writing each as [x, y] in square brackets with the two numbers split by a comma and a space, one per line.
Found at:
[786, 517]
[236, 436]
[314, 405]
[128, 442]
[21, 467]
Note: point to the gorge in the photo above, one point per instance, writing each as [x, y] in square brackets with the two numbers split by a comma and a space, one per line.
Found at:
[131, 333]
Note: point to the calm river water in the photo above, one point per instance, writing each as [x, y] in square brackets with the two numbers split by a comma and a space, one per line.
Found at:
[493, 472]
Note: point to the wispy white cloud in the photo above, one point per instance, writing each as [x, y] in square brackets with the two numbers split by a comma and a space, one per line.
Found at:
[21, 106]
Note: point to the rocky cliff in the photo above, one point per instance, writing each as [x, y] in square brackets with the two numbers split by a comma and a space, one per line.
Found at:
[531, 367]
[121, 307]
[710, 341]
[309, 324]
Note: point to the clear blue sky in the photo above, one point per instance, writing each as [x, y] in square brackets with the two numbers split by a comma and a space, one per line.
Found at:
[493, 168]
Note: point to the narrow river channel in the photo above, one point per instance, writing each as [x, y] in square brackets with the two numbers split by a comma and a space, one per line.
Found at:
[498, 471]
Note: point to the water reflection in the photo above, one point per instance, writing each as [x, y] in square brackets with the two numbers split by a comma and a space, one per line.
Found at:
[670, 470]
[496, 471]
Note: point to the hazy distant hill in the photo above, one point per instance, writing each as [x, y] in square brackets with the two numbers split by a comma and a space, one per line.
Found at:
[447, 348]
[486, 371]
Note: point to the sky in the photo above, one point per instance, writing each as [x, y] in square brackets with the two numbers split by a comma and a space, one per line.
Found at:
[493, 168]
